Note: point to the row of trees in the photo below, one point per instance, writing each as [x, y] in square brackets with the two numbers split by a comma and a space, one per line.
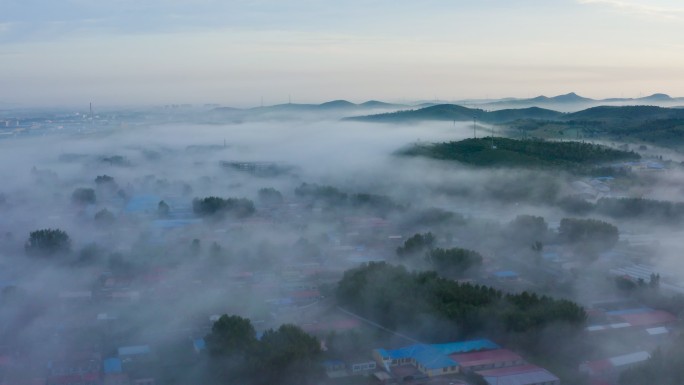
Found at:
[287, 355]
[589, 237]
[527, 153]
[400, 299]
[452, 262]
[215, 207]
[331, 197]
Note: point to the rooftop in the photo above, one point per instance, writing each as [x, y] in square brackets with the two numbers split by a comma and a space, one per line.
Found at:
[629, 359]
[518, 375]
[437, 356]
[425, 355]
[649, 318]
[112, 365]
[484, 357]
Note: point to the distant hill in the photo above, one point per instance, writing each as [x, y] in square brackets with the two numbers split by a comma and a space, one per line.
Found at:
[523, 113]
[335, 106]
[378, 104]
[531, 153]
[626, 112]
[657, 98]
[572, 102]
[344, 104]
[542, 100]
[453, 112]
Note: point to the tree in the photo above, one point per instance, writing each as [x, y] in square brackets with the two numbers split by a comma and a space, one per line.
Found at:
[231, 335]
[103, 180]
[417, 244]
[218, 207]
[284, 356]
[195, 246]
[526, 229]
[654, 281]
[289, 356]
[453, 261]
[588, 236]
[89, 254]
[104, 217]
[163, 209]
[270, 196]
[47, 242]
[83, 196]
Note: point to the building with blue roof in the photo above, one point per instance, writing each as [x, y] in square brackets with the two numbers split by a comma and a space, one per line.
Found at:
[431, 360]
[466, 346]
[199, 344]
[112, 366]
[141, 204]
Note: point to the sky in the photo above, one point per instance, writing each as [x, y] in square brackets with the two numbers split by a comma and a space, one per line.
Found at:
[238, 52]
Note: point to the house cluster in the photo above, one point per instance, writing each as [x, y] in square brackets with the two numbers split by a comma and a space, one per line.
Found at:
[642, 329]
[423, 363]
[606, 371]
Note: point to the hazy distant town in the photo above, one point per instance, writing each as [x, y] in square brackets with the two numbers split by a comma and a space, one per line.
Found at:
[517, 241]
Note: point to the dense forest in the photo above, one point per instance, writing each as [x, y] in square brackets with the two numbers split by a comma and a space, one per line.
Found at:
[440, 309]
[640, 209]
[286, 355]
[531, 153]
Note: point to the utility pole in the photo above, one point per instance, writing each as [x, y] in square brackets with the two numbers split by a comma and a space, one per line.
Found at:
[474, 127]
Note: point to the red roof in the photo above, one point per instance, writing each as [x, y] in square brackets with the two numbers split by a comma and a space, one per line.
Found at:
[485, 357]
[510, 370]
[600, 366]
[656, 317]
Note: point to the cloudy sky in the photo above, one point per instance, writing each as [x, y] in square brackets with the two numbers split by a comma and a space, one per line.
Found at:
[234, 52]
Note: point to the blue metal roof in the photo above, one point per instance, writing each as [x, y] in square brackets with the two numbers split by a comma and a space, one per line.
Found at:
[199, 344]
[112, 365]
[397, 354]
[437, 356]
[466, 346]
[333, 363]
[134, 350]
[142, 203]
[431, 358]
[425, 355]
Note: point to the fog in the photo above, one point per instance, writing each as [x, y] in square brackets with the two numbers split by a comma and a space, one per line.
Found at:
[339, 195]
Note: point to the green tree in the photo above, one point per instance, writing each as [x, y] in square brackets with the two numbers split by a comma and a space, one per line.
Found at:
[218, 207]
[104, 180]
[289, 356]
[163, 209]
[231, 335]
[104, 217]
[527, 229]
[270, 196]
[588, 236]
[47, 242]
[83, 196]
[195, 246]
[453, 262]
[416, 245]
